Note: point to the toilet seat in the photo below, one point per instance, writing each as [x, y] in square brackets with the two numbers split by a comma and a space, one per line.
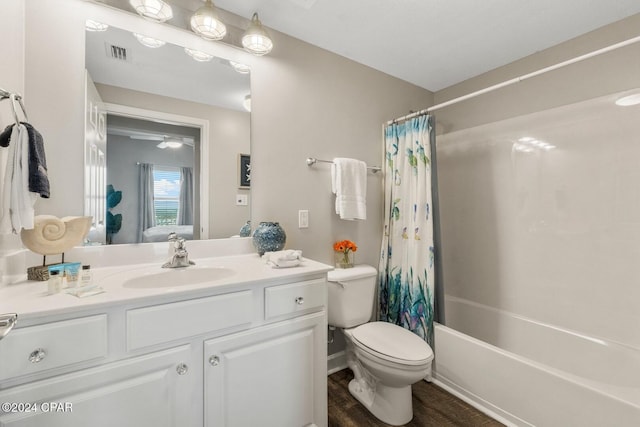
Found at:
[392, 343]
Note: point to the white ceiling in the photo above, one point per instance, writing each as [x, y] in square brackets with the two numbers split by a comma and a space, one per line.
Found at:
[433, 43]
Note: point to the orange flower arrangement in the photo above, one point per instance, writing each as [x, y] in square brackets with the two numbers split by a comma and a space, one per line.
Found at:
[344, 247]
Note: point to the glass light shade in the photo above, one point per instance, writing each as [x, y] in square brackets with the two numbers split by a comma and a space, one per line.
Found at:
[206, 24]
[155, 10]
[247, 103]
[149, 41]
[173, 144]
[255, 39]
[91, 25]
[198, 55]
[169, 144]
[241, 68]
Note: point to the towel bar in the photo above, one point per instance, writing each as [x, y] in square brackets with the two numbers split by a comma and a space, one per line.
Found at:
[312, 161]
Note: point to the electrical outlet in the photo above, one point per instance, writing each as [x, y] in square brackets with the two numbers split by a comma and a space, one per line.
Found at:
[303, 219]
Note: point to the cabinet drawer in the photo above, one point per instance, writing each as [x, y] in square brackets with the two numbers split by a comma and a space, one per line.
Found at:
[295, 297]
[38, 348]
[167, 322]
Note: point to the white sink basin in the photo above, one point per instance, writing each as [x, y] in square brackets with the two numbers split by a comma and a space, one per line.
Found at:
[176, 277]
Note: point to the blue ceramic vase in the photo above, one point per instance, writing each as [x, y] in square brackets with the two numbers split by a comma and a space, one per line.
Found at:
[269, 237]
[245, 231]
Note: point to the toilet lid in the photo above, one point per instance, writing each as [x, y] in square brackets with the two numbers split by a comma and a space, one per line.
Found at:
[393, 342]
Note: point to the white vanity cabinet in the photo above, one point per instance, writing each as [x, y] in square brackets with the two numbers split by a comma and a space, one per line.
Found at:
[267, 377]
[153, 390]
[239, 355]
[274, 375]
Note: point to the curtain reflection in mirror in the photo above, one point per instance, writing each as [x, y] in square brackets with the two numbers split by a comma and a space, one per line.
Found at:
[146, 210]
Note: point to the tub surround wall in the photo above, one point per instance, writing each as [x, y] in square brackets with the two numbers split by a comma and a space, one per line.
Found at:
[546, 236]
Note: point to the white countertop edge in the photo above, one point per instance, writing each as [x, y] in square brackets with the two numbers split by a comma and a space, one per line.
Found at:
[29, 299]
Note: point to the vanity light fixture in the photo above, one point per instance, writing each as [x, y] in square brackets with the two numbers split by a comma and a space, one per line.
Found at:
[627, 101]
[149, 41]
[241, 68]
[206, 24]
[155, 10]
[255, 39]
[91, 25]
[247, 103]
[198, 55]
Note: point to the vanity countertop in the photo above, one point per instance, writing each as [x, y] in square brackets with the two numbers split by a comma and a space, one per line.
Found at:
[30, 300]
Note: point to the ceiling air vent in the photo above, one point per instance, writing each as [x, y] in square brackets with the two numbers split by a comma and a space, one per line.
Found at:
[117, 52]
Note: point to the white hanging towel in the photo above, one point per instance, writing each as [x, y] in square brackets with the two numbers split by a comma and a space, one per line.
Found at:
[349, 184]
[17, 204]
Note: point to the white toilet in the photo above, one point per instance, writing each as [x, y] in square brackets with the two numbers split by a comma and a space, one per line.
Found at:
[386, 359]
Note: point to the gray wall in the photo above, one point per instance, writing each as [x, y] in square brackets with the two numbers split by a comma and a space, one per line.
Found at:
[305, 101]
[309, 102]
[229, 135]
[123, 173]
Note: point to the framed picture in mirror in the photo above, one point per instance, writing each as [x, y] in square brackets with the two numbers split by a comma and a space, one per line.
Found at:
[244, 171]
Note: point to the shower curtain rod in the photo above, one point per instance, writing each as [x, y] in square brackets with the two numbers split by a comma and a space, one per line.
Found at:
[520, 78]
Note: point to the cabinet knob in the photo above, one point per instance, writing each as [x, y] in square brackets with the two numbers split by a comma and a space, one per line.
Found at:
[214, 361]
[37, 355]
[182, 369]
[299, 300]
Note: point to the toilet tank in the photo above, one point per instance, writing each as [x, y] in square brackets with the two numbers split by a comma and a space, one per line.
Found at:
[351, 295]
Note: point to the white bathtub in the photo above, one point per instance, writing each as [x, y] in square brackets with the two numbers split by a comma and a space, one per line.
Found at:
[527, 373]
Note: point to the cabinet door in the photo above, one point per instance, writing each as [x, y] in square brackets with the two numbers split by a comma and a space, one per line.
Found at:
[140, 392]
[275, 375]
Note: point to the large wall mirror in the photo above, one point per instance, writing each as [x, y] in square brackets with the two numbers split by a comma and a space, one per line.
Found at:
[167, 137]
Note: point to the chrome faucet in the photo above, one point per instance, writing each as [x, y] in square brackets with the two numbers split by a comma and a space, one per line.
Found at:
[180, 257]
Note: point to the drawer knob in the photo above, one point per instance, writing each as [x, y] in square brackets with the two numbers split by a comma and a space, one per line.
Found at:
[37, 355]
[182, 369]
[214, 361]
[299, 300]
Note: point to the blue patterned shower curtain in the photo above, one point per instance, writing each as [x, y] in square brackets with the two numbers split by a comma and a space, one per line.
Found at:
[407, 263]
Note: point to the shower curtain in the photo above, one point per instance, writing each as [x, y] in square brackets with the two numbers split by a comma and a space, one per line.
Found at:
[407, 270]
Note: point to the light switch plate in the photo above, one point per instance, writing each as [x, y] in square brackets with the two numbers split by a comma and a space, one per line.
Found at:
[303, 219]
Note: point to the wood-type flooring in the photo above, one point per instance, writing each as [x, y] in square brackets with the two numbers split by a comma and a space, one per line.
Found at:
[432, 407]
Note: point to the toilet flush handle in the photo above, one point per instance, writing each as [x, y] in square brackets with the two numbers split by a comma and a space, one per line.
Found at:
[299, 300]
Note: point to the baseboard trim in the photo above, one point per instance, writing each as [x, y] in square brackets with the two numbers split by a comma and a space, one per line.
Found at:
[336, 362]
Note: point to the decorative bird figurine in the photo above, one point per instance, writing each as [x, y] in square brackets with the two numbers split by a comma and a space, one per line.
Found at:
[52, 235]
